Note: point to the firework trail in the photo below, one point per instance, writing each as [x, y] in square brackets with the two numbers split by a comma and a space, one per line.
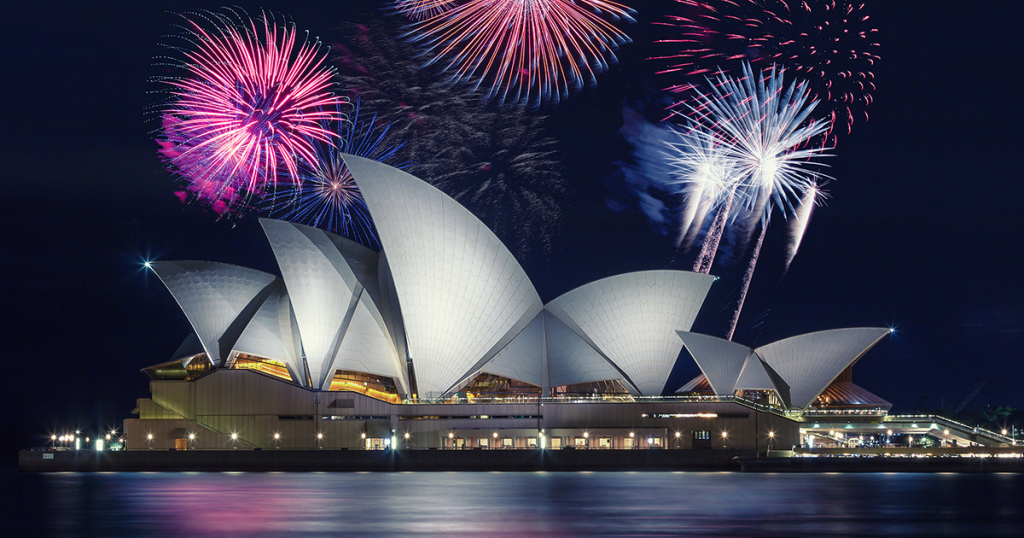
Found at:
[326, 195]
[419, 10]
[251, 101]
[812, 197]
[497, 161]
[528, 51]
[747, 277]
[830, 43]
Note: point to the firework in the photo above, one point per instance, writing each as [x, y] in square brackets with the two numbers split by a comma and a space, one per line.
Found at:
[419, 10]
[497, 161]
[326, 195]
[830, 43]
[528, 51]
[709, 178]
[250, 104]
[764, 126]
[812, 197]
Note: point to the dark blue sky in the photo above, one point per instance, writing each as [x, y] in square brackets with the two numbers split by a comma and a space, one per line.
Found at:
[923, 230]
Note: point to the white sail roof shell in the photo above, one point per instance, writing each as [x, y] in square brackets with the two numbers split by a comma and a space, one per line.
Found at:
[810, 362]
[720, 360]
[632, 319]
[273, 334]
[462, 293]
[522, 358]
[213, 295]
[327, 278]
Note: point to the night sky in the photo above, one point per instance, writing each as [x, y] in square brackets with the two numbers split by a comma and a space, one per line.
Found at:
[923, 231]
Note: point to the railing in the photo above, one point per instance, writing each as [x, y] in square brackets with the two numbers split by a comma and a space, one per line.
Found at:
[935, 419]
[625, 398]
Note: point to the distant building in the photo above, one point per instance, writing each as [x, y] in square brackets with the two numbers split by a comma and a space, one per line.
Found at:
[441, 336]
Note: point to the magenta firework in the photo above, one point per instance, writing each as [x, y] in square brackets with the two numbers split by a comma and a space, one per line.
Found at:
[249, 104]
[526, 51]
[829, 43]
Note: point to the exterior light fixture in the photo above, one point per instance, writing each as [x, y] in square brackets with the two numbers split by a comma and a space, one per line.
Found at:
[362, 436]
[725, 434]
[1004, 432]
[406, 435]
[450, 435]
[771, 434]
[631, 435]
[150, 436]
[495, 435]
[945, 432]
[277, 436]
[234, 436]
[677, 435]
[586, 435]
[319, 435]
[108, 437]
[888, 432]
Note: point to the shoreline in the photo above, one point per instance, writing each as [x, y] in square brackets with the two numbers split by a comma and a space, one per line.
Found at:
[727, 460]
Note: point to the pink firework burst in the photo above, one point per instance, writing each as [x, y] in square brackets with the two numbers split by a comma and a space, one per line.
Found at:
[528, 51]
[245, 109]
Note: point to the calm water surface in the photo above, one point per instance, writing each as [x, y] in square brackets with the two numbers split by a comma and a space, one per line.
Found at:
[511, 504]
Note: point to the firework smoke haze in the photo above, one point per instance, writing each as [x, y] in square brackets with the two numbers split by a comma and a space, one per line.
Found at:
[497, 161]
[830, 43]
[528, 51]
[327, 196]
[251, 101]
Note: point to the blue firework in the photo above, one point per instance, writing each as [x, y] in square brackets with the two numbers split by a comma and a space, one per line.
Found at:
[326, 195]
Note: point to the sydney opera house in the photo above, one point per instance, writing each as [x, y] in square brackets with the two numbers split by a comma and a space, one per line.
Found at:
[441, 341]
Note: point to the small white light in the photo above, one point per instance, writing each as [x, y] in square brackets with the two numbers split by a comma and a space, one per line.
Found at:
[234, 436]
[149, 436]
[406, 435]
[277, 436]
[319, 436]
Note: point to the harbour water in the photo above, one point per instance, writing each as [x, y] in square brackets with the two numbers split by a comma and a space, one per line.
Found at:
[512, 504]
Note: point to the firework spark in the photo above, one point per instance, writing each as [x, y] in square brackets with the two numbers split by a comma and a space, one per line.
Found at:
[249, 105]
[709, 178]
[765, 127]
[326, 195]
[830, 43]
[528, 51]
[419, 10]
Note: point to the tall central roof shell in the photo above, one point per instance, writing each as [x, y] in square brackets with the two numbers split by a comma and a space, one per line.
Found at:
[463, 295]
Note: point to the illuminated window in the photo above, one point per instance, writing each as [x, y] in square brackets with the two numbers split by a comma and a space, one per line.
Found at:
[701, 435]
[267, 366]
[374, 386]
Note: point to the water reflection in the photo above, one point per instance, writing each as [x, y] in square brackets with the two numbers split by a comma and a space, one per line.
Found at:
[515, 504]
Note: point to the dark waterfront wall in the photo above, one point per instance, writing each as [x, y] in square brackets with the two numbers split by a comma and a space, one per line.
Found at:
[383, 460]
[255, 408]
